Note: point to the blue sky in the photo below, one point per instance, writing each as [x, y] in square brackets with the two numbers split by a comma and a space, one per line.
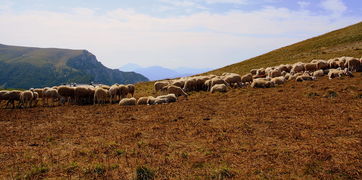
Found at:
[171, 33]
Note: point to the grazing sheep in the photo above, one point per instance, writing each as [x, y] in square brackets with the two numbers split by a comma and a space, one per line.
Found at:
[51, 94]
[171, 89]
[143, 101]
[11, 97]
[123, 91]
[233, 79]
[131, 89]
[190, 84]
[247, 78]
[262, 83]
[164, 99]
[353, 64]
[311, 67]
[101, 96]
[39, 91]
[219, 88]
[26, 98]
[151, 100]
[217, 80]
[159, 85]
[2, 95]
[297, 67]
[68, 93]
[318, 73]
[114, 92]
[322, 64]
[179, 83]
[260, 72]
[274, 73]
[278, 80]
[305, 77]
[81, 95]
[288, 76]
[35, 99]
[253, 71]
[128, 102]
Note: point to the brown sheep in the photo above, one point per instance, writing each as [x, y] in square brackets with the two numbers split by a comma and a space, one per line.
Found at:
[11, 97]
[274, 73]
[128, 102]
[190, 84]
[131, 89]
[311, 67]
[353, 64]
[253, 71]
[81, 95]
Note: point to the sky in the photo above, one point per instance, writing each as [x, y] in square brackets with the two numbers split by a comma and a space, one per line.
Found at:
[171, 33]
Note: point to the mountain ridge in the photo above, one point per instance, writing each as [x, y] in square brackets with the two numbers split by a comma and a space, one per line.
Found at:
[26, 67]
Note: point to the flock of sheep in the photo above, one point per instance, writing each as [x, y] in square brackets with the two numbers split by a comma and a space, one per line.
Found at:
[257, 78]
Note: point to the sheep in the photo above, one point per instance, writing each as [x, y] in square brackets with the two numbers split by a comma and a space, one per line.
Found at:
[68, 93]
[311, 67]
[262, 83]
[337, 73]
[164, 99]
[216, 80]
[297, 67]
[143, 100]
[123, 91]
[274, 73]
[2, 95]
[11, 97]
[219, 88]
[131, 89]
[171, 89]
[322, 64]
[101, 96]
[114, 93]
[247, 78]
[318, 73]
[26, 98]
[253, 72]
[51, 94]
[232, 78]
[179, 83]
[304, 77]
[159, 85]
[35, 99]
[151, 100]
[288, 76]
[190, 84]
[352, 64]
[278, 80]
[128, 102]
[260, 72]
[333, 63]
[81, 95]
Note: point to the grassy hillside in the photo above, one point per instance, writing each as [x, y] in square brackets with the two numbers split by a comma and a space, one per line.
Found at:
[342, 42]
[25, 67]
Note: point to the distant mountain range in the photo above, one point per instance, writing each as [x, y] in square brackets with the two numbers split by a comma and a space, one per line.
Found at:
[26, 67]
[159, 72]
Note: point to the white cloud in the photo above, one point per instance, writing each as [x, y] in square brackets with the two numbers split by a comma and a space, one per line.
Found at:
[303, 4]
[198, 40]
[337, 7]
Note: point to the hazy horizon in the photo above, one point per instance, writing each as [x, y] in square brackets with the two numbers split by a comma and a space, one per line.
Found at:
[171, 33]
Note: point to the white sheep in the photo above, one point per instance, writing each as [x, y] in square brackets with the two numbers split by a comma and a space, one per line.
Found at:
[219, 88]
[128, 102]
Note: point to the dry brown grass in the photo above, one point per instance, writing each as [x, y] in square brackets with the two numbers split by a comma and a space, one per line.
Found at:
[299, 130]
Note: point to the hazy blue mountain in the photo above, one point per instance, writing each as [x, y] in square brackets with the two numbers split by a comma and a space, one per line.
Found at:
[158, 72]
[26, 67]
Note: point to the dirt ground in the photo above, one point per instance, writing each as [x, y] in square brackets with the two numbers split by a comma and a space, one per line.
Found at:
[298, 130]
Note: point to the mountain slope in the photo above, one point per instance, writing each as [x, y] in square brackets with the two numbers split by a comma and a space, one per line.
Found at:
[342, 42]
[25, 67]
